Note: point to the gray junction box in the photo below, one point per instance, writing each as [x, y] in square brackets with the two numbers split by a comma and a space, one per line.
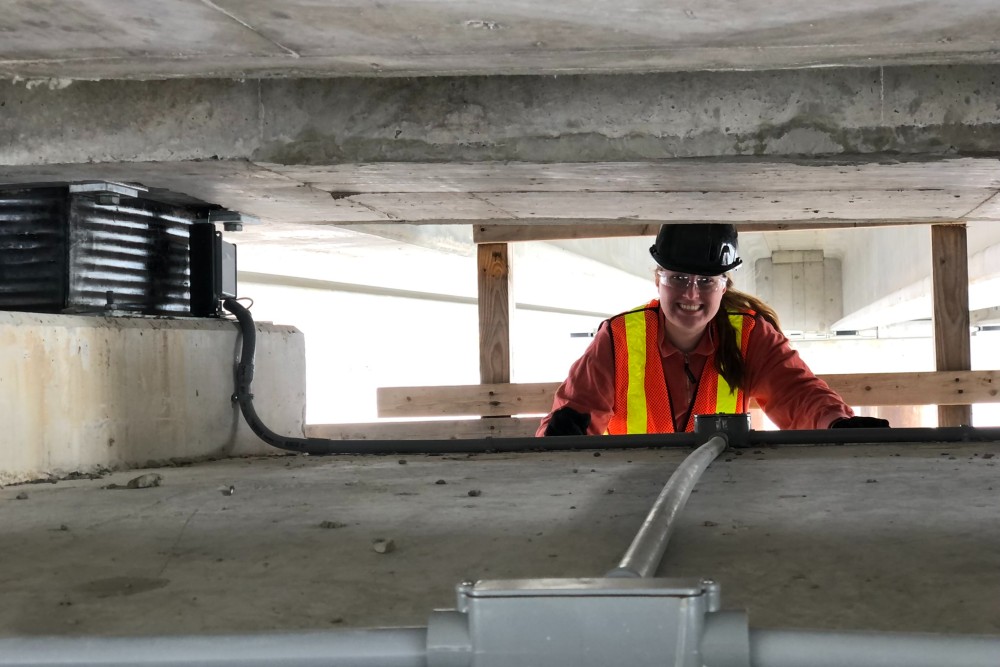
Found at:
[641, 622]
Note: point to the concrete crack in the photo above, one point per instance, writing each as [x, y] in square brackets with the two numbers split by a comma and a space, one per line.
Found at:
[260, 113]
[483, 198]
[881, 94]
[177, 540]
[339, 195]
[212, 5]
[981, 204]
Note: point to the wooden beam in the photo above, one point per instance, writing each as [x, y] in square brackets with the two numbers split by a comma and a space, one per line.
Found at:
[952, 346]
[763, 174]
[495, 306]
[438, 429]
[570, 229]
[489, 400]
[496, 231]
[857, 389]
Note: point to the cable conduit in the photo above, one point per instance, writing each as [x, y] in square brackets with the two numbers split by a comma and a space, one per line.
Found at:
[319, 446]
[391, 647]
[795, 648]
[650, 543]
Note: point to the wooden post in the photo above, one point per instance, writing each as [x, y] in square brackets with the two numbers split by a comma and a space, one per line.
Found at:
[495, 306]
[952, 347]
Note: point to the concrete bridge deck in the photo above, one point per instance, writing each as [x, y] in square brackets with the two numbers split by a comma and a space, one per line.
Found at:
[880, 537]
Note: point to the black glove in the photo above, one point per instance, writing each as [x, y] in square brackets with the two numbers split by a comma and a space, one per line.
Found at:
[860, 422]
[567, 421]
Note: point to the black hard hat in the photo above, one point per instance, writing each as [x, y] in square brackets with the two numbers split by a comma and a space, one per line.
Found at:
[708, 249]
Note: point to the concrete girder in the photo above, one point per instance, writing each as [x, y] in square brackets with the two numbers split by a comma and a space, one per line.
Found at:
[902, 290]
[919, 111]
[830, 145]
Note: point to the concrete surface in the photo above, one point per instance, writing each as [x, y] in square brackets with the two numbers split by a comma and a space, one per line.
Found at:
[883, 110]
[900, 538]
[319, 114]
[84, 393]
[905, 144]
[148, 39]
[929, 110]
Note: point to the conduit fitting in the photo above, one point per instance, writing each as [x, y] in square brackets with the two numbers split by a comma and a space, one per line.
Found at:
[588, 623]
[735, 428]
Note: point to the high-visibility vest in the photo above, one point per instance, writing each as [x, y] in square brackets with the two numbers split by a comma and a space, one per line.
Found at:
[642, 401]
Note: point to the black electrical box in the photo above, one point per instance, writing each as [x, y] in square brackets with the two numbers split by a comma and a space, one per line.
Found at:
[213, 270]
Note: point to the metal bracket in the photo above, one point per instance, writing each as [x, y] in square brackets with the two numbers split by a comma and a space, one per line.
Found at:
[108, 193]
[735, 428]
[231, 221]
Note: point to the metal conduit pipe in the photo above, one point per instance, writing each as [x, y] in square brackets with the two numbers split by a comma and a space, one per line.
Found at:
[391, 647]
[794, 648]
[244, 397]
[646, 551]
[407, 647]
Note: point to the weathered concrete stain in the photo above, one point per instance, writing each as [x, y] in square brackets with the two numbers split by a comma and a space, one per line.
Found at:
[545, 119]
[801, 136]
[120, 586]
[146, 389]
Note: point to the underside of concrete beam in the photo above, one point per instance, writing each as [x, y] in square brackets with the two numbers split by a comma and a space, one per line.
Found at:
[145, 39]
[919, 110]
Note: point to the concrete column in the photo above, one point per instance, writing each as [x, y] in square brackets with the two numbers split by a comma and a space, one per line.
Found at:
[803, 286]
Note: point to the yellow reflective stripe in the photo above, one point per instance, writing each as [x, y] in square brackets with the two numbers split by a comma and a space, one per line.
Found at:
[725, 397]
[635, 337]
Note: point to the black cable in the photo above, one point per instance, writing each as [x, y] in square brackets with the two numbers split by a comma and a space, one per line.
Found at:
[853, 436]
[243, 396]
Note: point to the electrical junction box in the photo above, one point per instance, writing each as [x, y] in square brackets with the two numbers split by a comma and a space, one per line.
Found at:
[110, 248]
[213, 270]
[640, 622]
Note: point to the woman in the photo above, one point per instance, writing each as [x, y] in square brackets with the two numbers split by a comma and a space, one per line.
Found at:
[701, 347]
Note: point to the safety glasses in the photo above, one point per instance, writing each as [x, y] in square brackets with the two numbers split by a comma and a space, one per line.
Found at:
[682, 282]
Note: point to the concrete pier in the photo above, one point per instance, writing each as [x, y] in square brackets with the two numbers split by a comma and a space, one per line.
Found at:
[79, 393]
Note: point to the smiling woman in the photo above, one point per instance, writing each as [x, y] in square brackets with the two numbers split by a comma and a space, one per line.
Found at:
[701, 347]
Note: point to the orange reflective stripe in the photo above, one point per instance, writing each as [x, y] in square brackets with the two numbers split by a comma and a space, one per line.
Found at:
[618, 424]
[659, 415]
[642, 402]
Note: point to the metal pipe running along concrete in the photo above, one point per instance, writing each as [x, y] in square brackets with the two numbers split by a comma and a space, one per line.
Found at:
[406, 647]
[810, 648]
[650, 543]
[396, 647]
